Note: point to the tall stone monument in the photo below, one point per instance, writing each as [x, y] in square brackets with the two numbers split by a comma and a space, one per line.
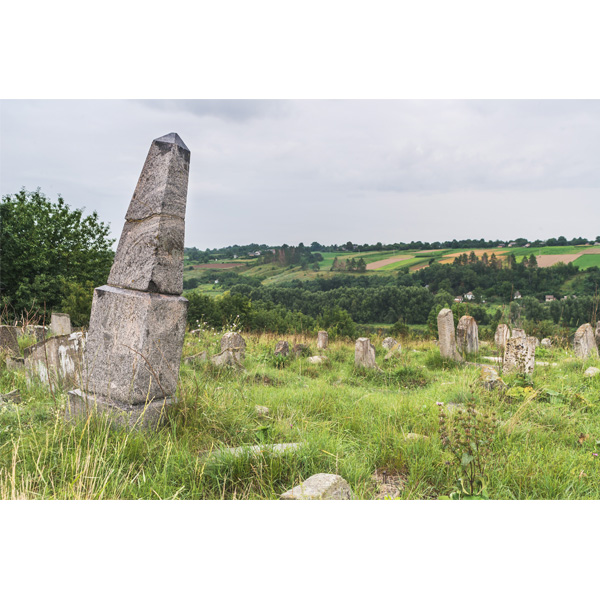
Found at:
[322, 340]
[137, 324]
[467, 334]
[502, 336]
[364, 354]
[584, 342]
[519, 355]
[447, 337]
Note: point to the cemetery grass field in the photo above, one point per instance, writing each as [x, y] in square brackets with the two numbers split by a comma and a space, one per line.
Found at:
[349, 421]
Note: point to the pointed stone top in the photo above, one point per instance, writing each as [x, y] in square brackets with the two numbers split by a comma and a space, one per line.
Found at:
[172, 138]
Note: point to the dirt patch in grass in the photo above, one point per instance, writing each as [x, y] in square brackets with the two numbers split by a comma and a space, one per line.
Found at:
[552, 259]
[388, 261]
[389, 483]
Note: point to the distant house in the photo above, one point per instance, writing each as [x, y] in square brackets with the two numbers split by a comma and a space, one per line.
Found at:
[527, 245]
[469, 296]
[512, 244]
[549, 298]
[500, 245]
[517, 295]
[458, 299]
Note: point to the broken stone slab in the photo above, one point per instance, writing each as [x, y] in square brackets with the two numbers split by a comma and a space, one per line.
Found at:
[584, 342]
[9, 340]
[519, 355]
[282, 348]
[149, 256]
[58, 359]
[317, 360]
[15, 363]
[261, 449]
[300, 350]
[322, 340]
[467, 335]
[591, 372]
[81, 406]
[60, 324]
[233, 341]
[546, 343]
[364, 354]
[502, 336]
[227, 358]
[200, 357]
[447, 339]
[134, 345]
[322, 486]
[491, 380]
[389, 343]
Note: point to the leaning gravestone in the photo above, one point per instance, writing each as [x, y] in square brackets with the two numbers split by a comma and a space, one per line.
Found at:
[519, 355]
[364, 354]
[584, 342]
[502, 336]
[467, 334]
[60, 324]
[322, 340]
[447, 343]
[8, 339]
[137, 324]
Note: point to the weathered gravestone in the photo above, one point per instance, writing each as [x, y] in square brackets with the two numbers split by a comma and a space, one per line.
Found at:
[502, 336]
[584, 342]
[364, 354]
[60, 324]
[282, 348]
[447, 339]
[8, 339]
[546, 343]
[519, 333]
[137, 324]
[235, 342]
[58, 360]
[322, 340]
[467, 334]
[519, 355]
[389, 343]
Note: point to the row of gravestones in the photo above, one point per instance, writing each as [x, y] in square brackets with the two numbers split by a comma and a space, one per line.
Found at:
[60, 324]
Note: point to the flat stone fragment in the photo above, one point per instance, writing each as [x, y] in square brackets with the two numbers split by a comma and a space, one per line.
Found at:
[228, 358]
[490, 379]
[322, 340]
[258, 450]
[467, 334]
[322, 486]
[519, 355]
[546, 343]
[8, 339]
[317, 360]
[447, 343]
[502, 336]
[591, 372]
[584, 342]
[135, 341]
[200, 357]
[60, 324]
[80, 406]
[261, 411]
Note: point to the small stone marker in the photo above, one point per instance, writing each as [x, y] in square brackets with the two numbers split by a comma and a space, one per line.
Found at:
[364, 354]
[300, 350]
[467, 334]
[261, 411]
[317, 360]
[502, 336]
[519, 333]
[200, 357]
[591, 372]
[323, 486]
[490, 379]
[233, 341]
[519, 355]
[546, 343]
[322, 340]
[282, 348]
[227, 358]
[447, 343]
[60, 324]
[584, 342]
[389, 343]
[138, 320]
[8, 339]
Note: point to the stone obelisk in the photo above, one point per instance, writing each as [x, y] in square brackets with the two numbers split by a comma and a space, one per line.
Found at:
[138, 319]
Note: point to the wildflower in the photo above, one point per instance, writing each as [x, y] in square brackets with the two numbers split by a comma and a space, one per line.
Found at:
[440, 403]
[594, 454]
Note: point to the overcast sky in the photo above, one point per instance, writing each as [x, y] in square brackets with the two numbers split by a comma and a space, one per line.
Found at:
[330, 171]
